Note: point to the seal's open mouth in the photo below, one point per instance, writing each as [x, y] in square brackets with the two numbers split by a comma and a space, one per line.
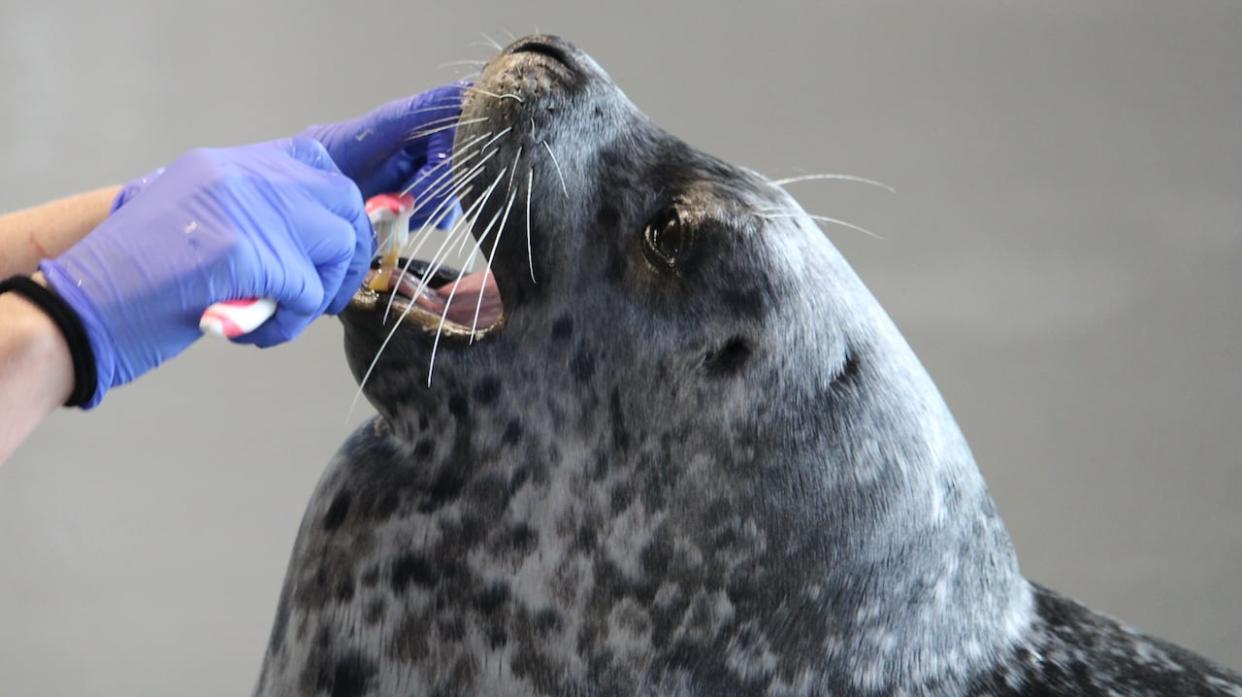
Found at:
[457, 305]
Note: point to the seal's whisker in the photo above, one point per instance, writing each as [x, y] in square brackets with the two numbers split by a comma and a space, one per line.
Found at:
[843, 223]
[463, 239]
[493, 42]
[451, 189]
[427, 172]
[474, 171]
[560, 175]
[438, 214]
[530, 258]
[457, 159]
[446, 98]
[468, 76]
[431, 194]
[422, 110]
[436, 122]
[467, 238]
[507, 95]
[504, 220]
[509, 187]
[469, 143]
[423, 134]
[422, 284]
[442, 211]
[449, 101]
[515, 163]
[780, 183]
[822, 218]
[431, 363]
[441, 256]
[478, 306]
[451, 64]
[446, 205]
[461, 245]
[498, 136]
[437, 188]
[435, 344]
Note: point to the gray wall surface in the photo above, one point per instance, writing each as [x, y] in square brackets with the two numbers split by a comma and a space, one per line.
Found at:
[1063, 253]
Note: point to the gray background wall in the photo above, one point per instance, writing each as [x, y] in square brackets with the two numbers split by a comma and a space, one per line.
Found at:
[1063, 253]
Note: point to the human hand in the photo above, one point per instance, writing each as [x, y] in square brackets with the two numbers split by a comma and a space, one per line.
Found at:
[383, 151]
[276, 220]
[408, 141]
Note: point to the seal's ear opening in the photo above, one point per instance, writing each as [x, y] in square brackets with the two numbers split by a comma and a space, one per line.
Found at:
[728, 359]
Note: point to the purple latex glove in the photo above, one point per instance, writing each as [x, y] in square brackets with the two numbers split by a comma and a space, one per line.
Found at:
[406, 142]
[383, 151]
[272, 220]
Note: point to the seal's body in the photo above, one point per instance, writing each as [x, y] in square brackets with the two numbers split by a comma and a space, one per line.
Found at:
[692, 457]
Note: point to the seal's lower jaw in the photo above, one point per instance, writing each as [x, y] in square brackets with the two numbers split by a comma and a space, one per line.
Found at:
[456, 306]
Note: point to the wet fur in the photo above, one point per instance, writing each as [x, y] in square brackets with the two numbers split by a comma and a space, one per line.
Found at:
[732, 480]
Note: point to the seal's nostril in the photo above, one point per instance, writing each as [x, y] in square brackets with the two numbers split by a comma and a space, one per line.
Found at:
[554, 52]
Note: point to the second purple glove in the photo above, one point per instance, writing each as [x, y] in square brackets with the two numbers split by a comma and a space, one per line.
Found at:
[405, 143]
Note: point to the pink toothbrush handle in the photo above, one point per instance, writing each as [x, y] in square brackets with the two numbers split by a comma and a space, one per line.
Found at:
[233, 318]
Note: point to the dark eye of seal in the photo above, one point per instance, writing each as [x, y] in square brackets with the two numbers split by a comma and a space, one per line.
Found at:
[668, 242]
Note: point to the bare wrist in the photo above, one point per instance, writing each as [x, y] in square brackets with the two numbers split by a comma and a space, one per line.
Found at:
[36, 346]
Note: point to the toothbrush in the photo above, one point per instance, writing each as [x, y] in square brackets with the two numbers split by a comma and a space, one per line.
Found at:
[389, 215]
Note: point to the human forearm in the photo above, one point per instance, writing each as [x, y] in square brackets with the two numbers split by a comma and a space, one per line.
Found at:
[36, 371]
[47, 230]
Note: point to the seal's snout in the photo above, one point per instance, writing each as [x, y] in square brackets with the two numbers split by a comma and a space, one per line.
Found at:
[552, 53]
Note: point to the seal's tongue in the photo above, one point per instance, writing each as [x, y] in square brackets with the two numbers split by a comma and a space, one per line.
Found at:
[461, 302]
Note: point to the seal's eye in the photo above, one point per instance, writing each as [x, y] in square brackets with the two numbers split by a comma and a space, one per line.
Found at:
[668, 241]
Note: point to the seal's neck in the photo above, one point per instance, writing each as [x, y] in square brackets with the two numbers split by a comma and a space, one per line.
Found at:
[922, 570]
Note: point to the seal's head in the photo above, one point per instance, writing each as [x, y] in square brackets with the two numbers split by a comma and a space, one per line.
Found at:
[732, 468]
[675, 277]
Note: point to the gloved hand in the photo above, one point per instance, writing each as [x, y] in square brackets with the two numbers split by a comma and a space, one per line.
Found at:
[275, 220]
[406, 141]
[382, 152]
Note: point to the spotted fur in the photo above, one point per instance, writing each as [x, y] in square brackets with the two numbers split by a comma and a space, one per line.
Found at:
[732, 478]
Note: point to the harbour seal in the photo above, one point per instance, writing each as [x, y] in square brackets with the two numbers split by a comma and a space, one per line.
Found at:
[684, 452]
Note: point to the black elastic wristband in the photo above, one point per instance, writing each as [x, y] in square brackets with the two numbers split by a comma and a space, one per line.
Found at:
[85, 377]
